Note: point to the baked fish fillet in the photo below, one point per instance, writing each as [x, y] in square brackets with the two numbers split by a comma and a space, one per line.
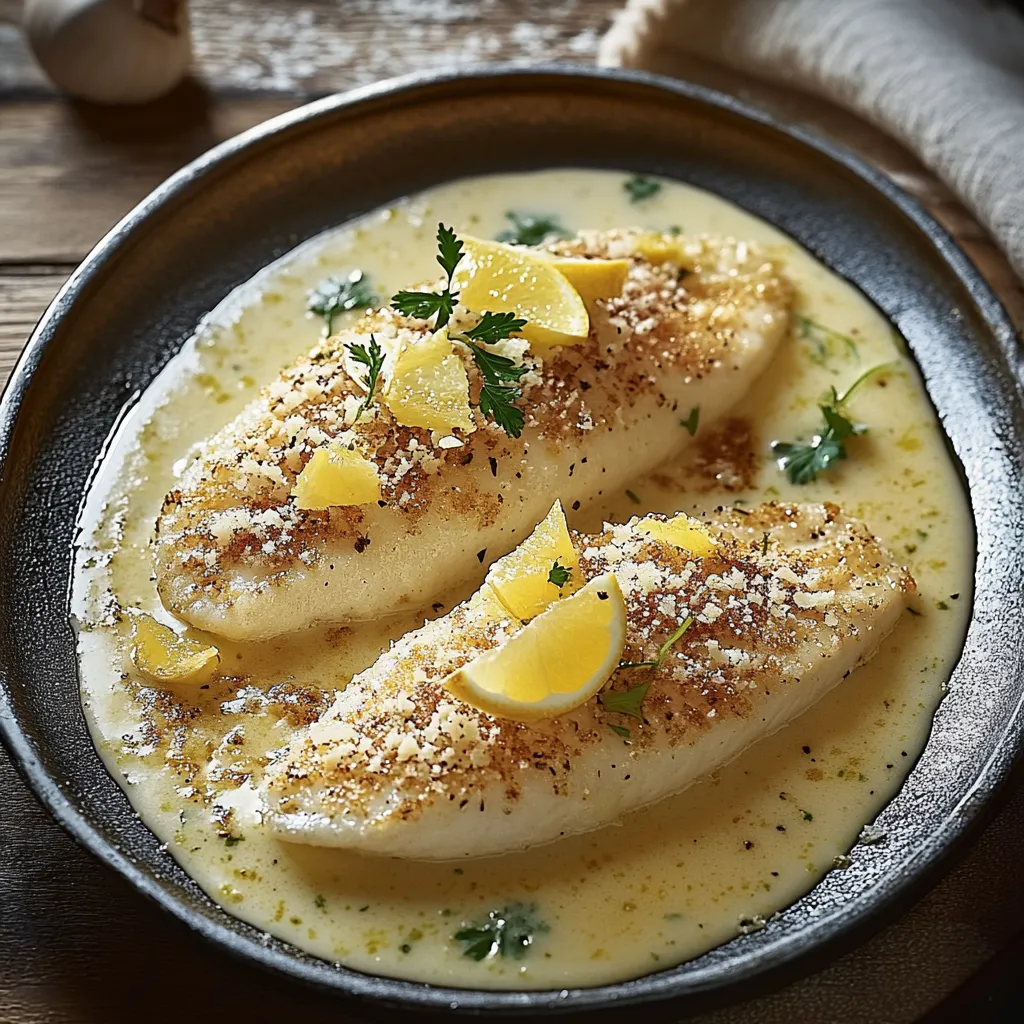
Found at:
[235, 556]
[791, 602]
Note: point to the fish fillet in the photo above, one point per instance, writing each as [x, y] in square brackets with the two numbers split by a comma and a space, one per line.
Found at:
[791, 602]
[235, 556]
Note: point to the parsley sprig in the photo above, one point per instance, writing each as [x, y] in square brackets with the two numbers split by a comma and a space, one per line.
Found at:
[336, 295]
[424, 305]
[629, 702]
[640, 187]
[372, 358]
[501, 376]
[507, 932]
[802, 462]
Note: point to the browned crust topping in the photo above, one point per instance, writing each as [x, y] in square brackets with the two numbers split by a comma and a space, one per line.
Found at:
[784, 580]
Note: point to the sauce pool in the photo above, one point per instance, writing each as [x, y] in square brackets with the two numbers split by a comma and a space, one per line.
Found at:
[668, 882]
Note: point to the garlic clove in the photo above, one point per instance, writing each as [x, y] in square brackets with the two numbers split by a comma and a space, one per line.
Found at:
[111, 51]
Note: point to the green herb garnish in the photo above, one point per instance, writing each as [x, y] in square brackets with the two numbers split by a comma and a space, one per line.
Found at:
[824, 339]
[508, 932]
[558, 575]
[690, 423]
[373, 359]
[528, 229]
[501, 375]
[628, 702]
[336, 295]
[625, 702]
[619, 730]
[803, 462]
[640, 187]
[663, 649]
[633, 496]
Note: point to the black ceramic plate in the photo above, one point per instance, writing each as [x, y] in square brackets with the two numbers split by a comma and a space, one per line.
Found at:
[140, 293]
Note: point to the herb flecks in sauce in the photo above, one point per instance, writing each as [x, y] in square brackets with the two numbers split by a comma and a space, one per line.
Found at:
[530, 229]
[824, 341]
[641, 187]
[509, 932]
[690, 423]
[337, 295]
[802, 462]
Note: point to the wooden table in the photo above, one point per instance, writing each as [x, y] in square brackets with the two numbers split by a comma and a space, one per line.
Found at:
[76, 943]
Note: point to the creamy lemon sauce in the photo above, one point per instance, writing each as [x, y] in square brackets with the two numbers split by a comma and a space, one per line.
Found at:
[668, 882]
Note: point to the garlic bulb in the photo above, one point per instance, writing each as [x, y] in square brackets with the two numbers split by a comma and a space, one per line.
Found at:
[110, 51]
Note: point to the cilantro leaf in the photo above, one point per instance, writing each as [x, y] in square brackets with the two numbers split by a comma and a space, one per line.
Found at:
[640, 187]
[449, 251]
[494, 327]
[690, 423]
[559, 574]
[527, 229]
[373, 359]
[336, 295]
[625, 702]
[508, 932]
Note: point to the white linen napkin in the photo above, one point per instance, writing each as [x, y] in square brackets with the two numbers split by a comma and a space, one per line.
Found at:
[945, 77]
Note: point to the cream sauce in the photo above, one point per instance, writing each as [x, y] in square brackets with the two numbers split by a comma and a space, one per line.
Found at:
[669, 882]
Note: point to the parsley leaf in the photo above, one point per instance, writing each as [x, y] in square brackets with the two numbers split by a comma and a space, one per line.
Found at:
[802, 462]
[336, 295]
[625, 702]
[640, 187]
[559, 574]
[824, 341]
[619, 730]
[422, 305]
[500, 387]
[494, 327]
[507, 932]
[690, 423]
[527, 229]
[449, 251]
[373, 359]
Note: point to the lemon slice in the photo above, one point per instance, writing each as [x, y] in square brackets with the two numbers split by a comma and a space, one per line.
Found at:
[499, 278]
[682, 531]
[658, 249]
[336, 476]
[428, 386]
[522, 579]
[163, 656]
[593, 279]
[554, 664]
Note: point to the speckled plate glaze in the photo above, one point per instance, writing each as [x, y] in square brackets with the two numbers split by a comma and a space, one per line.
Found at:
[141, 291]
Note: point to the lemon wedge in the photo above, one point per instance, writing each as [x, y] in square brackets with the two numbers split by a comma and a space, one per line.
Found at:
[428, 386]
[499, 278]
[593, 279]
[555, 663]
[658, 249]
[336, 476]
[523, 578]
[163, 656]
[682, 531]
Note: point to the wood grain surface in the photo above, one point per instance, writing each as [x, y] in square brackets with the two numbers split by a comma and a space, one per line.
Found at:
[76, 944]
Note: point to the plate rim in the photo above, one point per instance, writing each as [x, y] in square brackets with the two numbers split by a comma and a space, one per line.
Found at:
[390, 993]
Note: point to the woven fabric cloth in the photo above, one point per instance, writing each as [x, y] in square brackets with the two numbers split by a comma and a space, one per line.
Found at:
[945, 77]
